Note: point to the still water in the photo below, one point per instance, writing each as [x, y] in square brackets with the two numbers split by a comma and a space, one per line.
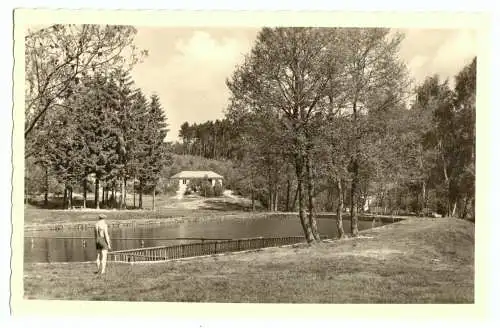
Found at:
[44, 246]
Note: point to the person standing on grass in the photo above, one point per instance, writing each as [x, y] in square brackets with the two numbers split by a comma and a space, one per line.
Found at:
[102, 243]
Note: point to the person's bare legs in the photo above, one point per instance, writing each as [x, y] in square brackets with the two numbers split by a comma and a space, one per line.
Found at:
[104, 257]
[98, 260]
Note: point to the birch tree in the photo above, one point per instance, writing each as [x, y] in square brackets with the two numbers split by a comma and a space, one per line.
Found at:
[376, 80]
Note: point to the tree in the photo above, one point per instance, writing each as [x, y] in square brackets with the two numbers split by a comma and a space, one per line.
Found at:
[375, 81]
[154, 147]
[465, 113]
[288, 72]
[97, 123]
[126, 130]
[439, 143]
[58, 57]
[334, 156]
[139, 141]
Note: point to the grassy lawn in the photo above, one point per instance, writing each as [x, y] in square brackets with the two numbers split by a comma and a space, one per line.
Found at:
[37, 217]
[412, 261]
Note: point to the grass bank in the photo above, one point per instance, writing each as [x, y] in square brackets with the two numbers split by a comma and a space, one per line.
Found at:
[412, 261]
[41, 219]
[46, 219]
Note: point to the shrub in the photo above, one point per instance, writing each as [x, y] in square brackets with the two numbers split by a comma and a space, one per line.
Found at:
[206, 189]
[218, 189]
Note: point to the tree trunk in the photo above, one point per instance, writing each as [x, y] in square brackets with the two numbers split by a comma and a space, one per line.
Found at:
[448, 187]
[276, 193]
[453, 212]
[120, 199]
[46, 189]
[269, 200]
[294, 203]
[287, 204]
[154, 194]
[140, 194]
[464, 209]
[96, 193]
[355, 182]
[70, 198]
[300, 194]
[474, 207]
[424, 198]
[85, 192]
[354, 200]
[125, 193]
[340, 206]
[133, 190]
[65, 198]
[345, 193]
[104, 196]
[311, 201]
[269, 189]
[215, 147]
[253, 200]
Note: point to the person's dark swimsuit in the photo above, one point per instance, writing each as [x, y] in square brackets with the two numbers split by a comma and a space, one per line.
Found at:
[100, 241]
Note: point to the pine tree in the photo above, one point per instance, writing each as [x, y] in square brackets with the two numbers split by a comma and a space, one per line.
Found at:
[125, 131]
[138, 142]
[98, 128]
[155, 150]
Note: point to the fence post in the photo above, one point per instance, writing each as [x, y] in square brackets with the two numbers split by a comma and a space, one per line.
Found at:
[215, 251]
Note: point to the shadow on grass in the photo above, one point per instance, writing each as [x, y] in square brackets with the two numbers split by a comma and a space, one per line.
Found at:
[224, 206]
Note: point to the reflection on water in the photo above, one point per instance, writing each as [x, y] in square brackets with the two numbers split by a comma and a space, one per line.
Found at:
[50, 249]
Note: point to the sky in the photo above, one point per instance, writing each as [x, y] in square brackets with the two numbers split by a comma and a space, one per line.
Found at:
[187, 68]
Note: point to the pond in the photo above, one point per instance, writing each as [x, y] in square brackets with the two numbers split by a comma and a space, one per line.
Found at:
[78, 245]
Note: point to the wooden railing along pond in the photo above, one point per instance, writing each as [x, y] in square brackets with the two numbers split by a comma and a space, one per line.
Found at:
[162, 253]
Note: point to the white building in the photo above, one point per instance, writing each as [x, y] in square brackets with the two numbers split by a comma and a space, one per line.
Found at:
[185, 176]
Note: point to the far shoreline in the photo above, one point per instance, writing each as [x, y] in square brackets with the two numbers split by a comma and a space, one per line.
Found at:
[120, 218]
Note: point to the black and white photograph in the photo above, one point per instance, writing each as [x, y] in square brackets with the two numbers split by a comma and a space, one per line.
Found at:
[316, 163]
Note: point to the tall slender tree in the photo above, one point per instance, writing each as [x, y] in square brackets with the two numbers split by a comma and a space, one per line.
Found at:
[289, 72]
[375, 80]
[157, 155]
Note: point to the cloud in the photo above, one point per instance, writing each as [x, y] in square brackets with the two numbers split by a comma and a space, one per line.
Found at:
[442, 52]
[191, 80]
[187, 67]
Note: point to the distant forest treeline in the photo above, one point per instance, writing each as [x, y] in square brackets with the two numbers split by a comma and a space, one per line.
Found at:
[212, 139]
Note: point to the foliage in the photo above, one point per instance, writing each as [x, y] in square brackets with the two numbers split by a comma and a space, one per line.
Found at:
[211, 139]
[59, 57]
[318, 119]
[218, 189]
[111, 134]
